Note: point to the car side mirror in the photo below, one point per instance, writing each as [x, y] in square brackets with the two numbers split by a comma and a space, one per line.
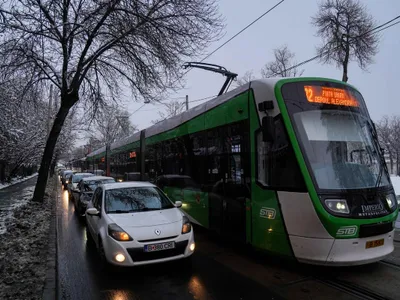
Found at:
[268, 129]
[93, 211]
[178, 204]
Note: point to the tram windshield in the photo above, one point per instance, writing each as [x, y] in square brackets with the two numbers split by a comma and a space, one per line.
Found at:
[336, 135]
[340, 149]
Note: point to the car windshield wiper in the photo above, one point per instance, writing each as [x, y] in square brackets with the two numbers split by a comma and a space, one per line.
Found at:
[148, 208]
[119, 211]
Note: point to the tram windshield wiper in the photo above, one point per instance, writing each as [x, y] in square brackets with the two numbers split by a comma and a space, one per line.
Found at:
[382, 164]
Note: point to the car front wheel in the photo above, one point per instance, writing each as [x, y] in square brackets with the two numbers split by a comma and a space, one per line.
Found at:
[104, 264]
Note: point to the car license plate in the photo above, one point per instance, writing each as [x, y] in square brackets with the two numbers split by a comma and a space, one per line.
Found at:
[373, 244]
[159, 247]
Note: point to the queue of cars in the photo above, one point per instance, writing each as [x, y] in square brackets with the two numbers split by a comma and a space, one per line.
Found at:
[129, 223]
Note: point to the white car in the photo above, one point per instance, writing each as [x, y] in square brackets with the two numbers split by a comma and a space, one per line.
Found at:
[134, 223]
[86, 187]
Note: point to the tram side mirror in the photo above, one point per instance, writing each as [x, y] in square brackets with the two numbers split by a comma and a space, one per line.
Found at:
[268, 129]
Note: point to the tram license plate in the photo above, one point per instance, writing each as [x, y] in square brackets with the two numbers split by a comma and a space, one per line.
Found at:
[159, 247]
[373, 244]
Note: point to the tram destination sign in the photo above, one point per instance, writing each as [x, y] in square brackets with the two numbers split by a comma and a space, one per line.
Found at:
[328, 95]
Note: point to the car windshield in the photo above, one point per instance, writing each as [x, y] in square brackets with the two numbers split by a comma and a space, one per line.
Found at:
[77, 177]
[340, 149]
[92, 184]
[135, 199]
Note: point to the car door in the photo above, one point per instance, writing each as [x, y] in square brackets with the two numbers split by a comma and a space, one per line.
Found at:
[96, 219]
[75, 192]
[92, 221]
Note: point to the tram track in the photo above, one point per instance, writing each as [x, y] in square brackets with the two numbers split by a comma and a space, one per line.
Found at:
[390, 264]
[357, 290]
[353, 289]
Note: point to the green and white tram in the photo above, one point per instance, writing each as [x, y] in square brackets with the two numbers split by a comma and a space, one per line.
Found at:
[290, 166]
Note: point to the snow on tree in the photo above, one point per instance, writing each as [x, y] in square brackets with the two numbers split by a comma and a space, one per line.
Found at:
[90, 49]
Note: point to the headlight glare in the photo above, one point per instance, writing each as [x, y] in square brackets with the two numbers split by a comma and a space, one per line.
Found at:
[118, 233]
[391, 200]
[337, 205]
[186, 225]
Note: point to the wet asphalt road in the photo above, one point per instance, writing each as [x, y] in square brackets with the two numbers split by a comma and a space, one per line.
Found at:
[79, 275]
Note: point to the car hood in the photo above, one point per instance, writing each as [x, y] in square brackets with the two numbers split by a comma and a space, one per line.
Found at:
[147, 218]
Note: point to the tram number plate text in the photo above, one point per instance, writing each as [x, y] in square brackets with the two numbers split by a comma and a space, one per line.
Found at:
[373, 244]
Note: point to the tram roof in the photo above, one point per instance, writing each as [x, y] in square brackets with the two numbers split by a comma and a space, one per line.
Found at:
[185, 116]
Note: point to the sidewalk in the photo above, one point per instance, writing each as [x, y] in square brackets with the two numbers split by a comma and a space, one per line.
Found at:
[27, 251]
[16, 180]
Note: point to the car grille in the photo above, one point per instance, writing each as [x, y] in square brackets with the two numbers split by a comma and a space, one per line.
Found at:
[138, 254]
[375, 229]
[160, 239]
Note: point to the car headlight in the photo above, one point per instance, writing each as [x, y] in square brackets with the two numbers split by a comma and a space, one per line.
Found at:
[186, 225]
[66, 181]
[337, 205]
[118, 233]
[391, 200]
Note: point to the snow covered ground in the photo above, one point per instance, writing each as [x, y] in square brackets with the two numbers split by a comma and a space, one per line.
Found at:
[16, 180]
[23, 247]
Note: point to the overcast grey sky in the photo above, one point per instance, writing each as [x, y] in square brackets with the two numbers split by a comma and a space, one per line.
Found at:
[290, 23]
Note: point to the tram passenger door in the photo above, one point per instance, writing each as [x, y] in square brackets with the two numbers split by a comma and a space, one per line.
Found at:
[227, 198]
[234, 199]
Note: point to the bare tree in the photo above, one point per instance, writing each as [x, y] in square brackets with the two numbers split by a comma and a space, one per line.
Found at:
[88, 49]
[284, 60]
[389, 138]
[345, 28]
[385, 136]
[173, 108]
[111, 124]
[246, 78]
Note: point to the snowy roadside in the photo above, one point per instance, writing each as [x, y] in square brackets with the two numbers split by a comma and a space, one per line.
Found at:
[23, 249]
[16, 180]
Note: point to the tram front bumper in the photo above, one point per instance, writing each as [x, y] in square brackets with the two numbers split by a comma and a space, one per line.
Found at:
[342, 252]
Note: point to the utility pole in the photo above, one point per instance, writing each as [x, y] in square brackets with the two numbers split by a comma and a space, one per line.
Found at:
[187, 102]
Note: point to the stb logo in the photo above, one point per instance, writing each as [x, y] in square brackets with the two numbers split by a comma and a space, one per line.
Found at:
[268, 213]
[347, 231]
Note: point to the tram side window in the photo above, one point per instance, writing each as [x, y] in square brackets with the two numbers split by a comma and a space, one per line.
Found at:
[277, 163]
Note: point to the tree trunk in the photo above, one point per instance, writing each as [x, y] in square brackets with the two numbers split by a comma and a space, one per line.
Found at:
[48, 151]
[391, 162]
[346, 62]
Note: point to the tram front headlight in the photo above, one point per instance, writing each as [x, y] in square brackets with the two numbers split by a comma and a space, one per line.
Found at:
[337, 205]
[391, 200]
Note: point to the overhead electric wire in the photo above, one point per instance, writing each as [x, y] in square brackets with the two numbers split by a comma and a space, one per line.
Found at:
[387, 27]
[205, 98]
[238, 33]
[249, 25]
[372, 31]
[137, 109]
[234, 36]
